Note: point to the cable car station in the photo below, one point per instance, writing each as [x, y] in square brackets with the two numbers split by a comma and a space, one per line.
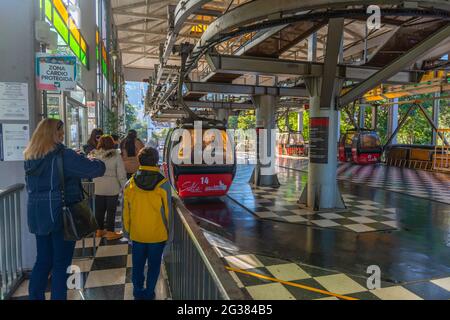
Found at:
[331, 180]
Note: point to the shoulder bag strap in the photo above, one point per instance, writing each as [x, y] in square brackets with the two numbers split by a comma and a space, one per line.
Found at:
[60, 165]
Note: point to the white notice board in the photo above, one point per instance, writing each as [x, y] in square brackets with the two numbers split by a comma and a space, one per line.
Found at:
[14, 101]
[15, 138]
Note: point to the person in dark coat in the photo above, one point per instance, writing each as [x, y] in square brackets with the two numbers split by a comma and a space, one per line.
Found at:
[44, 206]
[93, 141]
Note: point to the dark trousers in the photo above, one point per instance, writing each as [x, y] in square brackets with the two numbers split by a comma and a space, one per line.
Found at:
[129, 175]
[152, 254]
[108, 205]
[53, 255]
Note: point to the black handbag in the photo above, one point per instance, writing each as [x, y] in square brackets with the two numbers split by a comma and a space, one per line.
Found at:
[78, 219]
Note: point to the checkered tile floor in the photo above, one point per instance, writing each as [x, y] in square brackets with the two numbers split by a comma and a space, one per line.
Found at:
[323, 279]
[107, 276]
[417, 183]
[280, 204]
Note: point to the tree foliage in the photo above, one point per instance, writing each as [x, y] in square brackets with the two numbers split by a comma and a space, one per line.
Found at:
[416, 129]
[133, 123]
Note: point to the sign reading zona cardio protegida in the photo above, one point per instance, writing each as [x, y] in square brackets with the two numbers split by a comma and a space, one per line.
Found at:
[56, 72]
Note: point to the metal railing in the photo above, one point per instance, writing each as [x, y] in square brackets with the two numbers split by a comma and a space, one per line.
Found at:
[194, 270]
[11, 270]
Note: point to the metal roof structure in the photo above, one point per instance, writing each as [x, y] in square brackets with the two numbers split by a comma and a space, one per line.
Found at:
[151, 33]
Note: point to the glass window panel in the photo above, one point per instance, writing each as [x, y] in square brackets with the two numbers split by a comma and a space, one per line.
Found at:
[104, 53]
[83, 45]
[48, 9]
[62, 10]
[60, 26]
[84, 60]
[74, 29]
[105, 68]
[75, 46]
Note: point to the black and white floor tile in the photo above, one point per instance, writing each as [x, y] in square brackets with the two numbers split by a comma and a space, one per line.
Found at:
[418, 183]
[318, 278]
[280, 204]
[105, 276]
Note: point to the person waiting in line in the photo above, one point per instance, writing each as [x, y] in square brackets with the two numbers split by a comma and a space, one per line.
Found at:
[108, 187]
[93, 141]
[147, 218]
[44, 206]
[116, 139]
[130, 147]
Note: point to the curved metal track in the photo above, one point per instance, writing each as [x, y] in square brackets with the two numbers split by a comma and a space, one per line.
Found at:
[292, 11]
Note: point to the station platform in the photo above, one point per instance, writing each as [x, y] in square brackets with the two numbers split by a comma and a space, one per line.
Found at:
[272, 249]
[277, 251]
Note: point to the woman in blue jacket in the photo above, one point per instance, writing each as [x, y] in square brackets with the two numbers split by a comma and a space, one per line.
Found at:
[54, 254]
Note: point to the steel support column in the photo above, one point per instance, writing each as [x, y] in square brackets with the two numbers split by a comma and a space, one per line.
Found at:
[362, 116]
[223, 114]
[300, 121]
[265, 173]
[436, 110]
[374, 117]
[393, 120]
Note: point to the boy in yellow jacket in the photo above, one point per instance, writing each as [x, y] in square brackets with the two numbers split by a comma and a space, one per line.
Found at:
[147, 218]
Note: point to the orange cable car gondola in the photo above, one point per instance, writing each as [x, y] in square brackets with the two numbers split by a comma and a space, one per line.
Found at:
[202, 179]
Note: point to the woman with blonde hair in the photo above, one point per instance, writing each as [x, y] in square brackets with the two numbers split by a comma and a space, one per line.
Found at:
[44, 206]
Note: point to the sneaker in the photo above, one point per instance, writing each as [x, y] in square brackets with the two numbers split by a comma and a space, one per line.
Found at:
[100, 233]
[113, 235]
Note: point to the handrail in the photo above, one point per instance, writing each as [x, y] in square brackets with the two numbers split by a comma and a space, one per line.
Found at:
[11, 269]
[11, 189]
[208, 267]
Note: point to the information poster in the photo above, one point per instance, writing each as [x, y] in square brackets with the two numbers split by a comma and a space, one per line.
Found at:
[14, 141]
[14, 101]
[56, 72]
[318, 139]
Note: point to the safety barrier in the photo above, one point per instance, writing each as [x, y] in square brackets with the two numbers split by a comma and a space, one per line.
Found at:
[441, 157]
[194, 270]
[412, 157]
[11, 271]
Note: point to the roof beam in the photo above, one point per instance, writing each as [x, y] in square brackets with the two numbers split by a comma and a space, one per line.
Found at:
[395, 66]
[141, 15]
[141, 43]
[142, 33]
[334, 44]
[268, 66]
[238, 89]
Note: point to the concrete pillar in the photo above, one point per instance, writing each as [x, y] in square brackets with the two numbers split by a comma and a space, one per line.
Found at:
[300, 121]
[312, 47]
[362, 116]
[436, 110]
[265, 173]
[322, 191]
[374, 117]
[393, 120]
[223, 114]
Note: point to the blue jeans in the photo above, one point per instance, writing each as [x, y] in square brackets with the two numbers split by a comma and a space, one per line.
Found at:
[53, 255]
[142, 253]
